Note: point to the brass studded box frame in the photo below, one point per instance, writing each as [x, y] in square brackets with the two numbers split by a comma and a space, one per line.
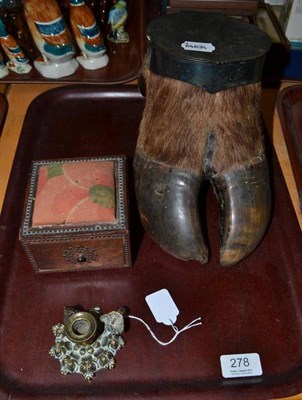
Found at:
[76, 215]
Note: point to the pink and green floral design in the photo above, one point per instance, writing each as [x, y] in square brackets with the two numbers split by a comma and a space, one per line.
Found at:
[77, 193]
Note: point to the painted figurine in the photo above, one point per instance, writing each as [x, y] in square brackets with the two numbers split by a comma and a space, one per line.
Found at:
[14, 19]
[52, 38]
[88, 36]
[17, 60]
[117, 19]
[3, 68]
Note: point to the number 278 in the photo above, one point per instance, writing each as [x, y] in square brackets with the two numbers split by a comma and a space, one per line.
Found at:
[239, 362]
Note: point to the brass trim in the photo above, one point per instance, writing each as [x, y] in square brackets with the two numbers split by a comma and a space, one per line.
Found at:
[81, 327]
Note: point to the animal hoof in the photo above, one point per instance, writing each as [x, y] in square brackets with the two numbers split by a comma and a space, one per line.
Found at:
[168, 205]
[245, 206]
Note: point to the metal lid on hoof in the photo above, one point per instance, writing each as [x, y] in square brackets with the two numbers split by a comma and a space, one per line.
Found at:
[209, 50]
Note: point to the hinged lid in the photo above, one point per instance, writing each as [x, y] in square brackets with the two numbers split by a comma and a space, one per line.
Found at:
[209, 50]
[75, 195]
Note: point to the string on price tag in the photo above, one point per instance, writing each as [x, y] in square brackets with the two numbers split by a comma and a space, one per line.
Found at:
[164, 311]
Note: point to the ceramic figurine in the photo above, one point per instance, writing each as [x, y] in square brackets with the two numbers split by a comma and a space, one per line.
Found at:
[3, 67]
[14, 20]
[18, 62]
[94, 7]
[117, 19]
[88, 36]
[52, 38]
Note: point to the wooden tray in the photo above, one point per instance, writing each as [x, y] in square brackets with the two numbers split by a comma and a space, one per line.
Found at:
[237, 6]
[125, 59]
[3, 111]
[253, 307]
[289, 105]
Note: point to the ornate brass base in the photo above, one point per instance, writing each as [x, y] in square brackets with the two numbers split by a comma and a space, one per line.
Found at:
[87, 341]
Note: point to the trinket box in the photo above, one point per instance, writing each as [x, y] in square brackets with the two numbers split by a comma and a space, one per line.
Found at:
[76, 215]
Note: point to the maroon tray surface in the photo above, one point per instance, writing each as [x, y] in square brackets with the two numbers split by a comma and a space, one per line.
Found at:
[124, 59]
[255, 306]
[289, 106]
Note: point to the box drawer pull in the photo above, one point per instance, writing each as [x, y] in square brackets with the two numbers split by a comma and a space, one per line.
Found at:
[80, 254]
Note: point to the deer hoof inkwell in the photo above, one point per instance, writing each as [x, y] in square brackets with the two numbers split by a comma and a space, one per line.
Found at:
[202, 122]
[87, 341]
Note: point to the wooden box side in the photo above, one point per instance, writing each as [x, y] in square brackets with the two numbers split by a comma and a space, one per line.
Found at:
[78, 253]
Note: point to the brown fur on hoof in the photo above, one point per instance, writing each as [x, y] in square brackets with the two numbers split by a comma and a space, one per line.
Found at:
[215, 136]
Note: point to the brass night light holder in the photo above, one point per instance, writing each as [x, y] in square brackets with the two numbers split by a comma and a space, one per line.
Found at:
[88, 341]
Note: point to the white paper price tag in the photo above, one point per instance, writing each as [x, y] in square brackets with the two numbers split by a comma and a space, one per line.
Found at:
[198, 46]
[240, 365]
[162, 307]
[164, 310]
